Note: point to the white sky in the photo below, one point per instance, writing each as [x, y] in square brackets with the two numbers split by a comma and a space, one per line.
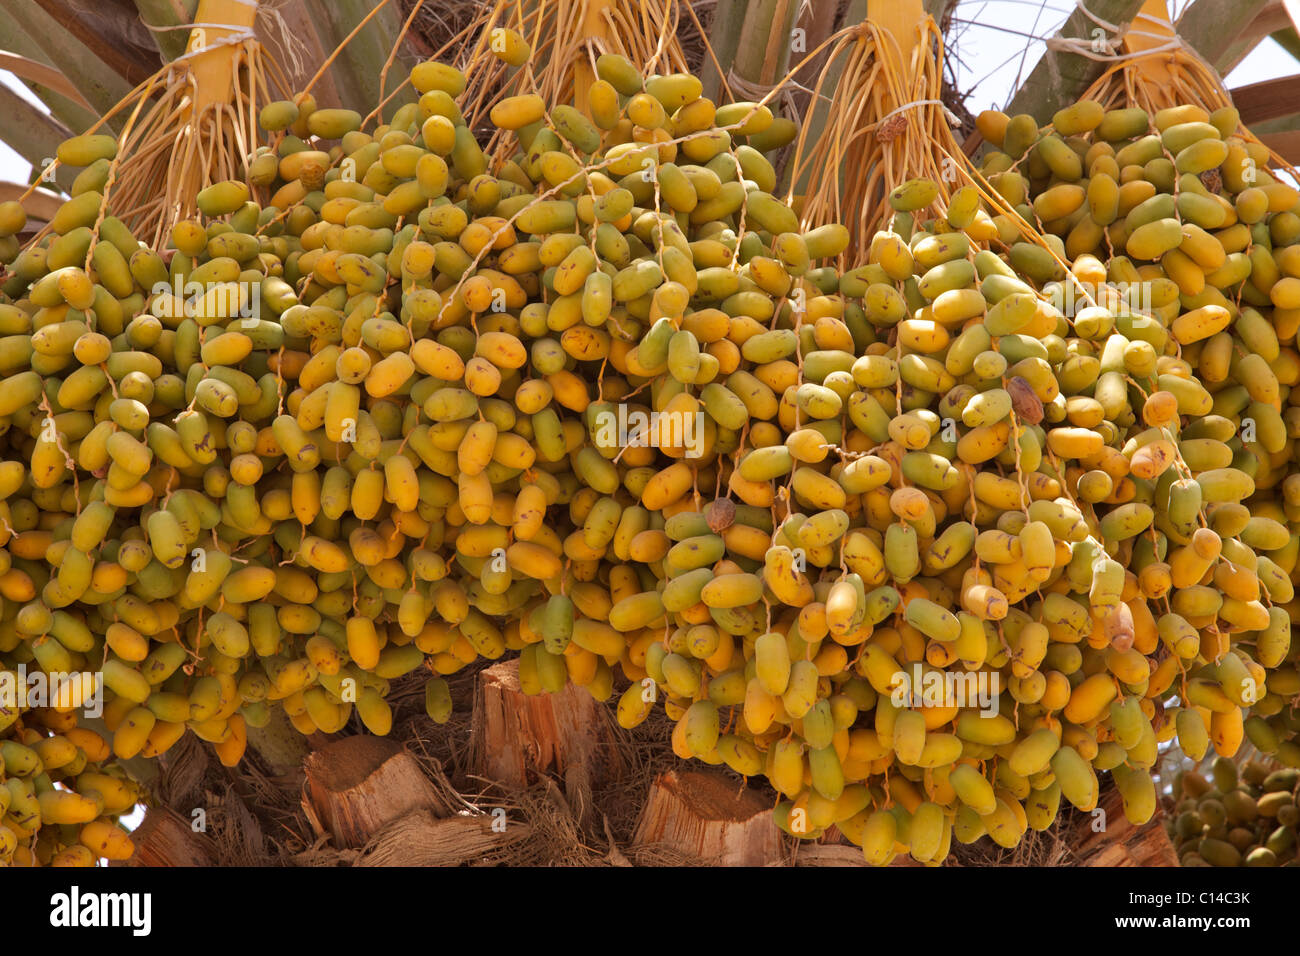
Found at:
[994, 48]
[992, 43]
[13, 168]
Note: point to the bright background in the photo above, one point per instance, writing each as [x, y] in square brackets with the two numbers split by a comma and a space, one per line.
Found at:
[995, 47]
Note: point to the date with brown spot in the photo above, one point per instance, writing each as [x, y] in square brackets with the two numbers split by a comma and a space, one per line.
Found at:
[1024, 401]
